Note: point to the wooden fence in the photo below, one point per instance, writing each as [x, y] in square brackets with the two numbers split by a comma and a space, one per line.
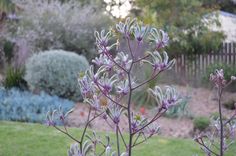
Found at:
[193, 66]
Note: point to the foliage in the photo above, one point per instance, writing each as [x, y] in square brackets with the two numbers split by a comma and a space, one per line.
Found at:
[109, 90]
[54, 25]
[16, 105]
[14, 78]
[201, 123]
[180, 110]
[186, 21]
[6, 6]
[216, 115]
[230, 104]
[8, 49]
[226, 5]
[56, 72]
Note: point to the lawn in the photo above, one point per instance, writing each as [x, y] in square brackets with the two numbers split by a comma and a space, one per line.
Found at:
[21, 139]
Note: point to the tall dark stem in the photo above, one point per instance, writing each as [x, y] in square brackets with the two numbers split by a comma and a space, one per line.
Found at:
[221, 123]
[129, 117]
[117, 139]
[129, 99]
[84, 131]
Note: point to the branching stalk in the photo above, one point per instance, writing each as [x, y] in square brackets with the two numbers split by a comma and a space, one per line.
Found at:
[221, 123]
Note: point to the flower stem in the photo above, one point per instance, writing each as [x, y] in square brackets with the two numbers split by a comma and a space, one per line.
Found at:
[84, 131]
[221, 123]
[117, 140]
[129, 117]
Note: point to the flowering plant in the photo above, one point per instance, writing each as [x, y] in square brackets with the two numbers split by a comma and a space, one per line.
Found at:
[218, 141]
[109, 89]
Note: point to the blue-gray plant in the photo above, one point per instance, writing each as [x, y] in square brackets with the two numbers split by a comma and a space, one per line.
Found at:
[18, 105]
[56, 72]
[109, 89]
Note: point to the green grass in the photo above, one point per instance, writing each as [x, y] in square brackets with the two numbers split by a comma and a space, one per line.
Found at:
[21, 139]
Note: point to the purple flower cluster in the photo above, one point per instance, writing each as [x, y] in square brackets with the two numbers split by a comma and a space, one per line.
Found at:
[167, 99]
[218, 78]
[160, 38]
[109, 89]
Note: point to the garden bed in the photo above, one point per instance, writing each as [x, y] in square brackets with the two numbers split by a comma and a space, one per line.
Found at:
[202, 103]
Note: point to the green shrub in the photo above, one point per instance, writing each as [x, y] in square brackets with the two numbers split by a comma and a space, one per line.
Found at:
[230, 104]
[8, 49]
[201, 123]
[14, 78]
[228, 72]
[56, 73]
[216, 116]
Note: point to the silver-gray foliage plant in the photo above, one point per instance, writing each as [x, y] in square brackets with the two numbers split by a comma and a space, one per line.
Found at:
[54, 25]
[56, 72]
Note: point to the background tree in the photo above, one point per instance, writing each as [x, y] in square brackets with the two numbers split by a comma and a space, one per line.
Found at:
[225, 5]
[186, 21]
[6, 6]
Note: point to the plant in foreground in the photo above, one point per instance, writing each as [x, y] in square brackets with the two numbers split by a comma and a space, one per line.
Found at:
[218, 140]
[110, 88]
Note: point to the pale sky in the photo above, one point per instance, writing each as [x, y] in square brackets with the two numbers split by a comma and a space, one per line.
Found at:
[119, 11]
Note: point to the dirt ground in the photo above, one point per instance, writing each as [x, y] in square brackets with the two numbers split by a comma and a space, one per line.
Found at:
[202, 103]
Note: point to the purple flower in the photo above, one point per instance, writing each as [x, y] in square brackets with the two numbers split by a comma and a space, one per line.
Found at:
[86, 86]
[166, 104]
[107, 83]
[159, 62]
[103, 60]
[159, 37]
[102, 38]
[115, 112]
[50, 123]
[140, 32]
[167, 99]
[123, 87]
[94, 102]
[218, 78]
[153, 129]
[104, 116]
[126, 28]
[116, 119]
[123, 60]
[134, 126]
